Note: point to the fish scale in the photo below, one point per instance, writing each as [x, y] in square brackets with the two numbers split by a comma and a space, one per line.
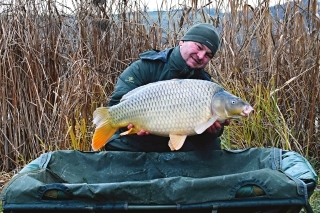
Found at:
[175, 108]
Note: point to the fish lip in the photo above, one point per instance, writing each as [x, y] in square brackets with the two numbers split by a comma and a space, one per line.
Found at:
[244, 114]
[247, 111]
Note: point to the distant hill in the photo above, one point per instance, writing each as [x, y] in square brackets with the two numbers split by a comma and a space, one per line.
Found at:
[277, 11]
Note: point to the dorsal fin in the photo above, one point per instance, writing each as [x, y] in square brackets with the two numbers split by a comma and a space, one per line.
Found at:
[132, 92]
[140, 88]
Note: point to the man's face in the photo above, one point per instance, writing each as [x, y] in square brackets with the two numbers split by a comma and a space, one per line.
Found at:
[195, 54]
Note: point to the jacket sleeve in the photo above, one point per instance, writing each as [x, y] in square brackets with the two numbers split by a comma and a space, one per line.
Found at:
[132, 77]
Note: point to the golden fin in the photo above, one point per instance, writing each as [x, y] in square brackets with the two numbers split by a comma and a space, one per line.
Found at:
[176, 141]
[126, 132]
[104, 130]
[102, 135]
[129, 132]
[202, 127]
[133, 92]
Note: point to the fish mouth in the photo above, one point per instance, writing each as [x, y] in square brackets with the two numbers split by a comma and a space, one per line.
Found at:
[246, 111]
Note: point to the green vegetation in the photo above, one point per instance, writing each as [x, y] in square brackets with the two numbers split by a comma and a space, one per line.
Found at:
[59, 62]
[315, 201]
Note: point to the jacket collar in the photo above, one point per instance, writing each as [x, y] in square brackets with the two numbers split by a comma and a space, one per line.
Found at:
[177, 64]
[174, 61]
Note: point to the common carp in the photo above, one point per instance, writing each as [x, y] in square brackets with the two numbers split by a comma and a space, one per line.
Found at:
[176, 108]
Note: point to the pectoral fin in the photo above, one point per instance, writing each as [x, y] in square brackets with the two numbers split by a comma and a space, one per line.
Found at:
[176, 141]
[202, 127]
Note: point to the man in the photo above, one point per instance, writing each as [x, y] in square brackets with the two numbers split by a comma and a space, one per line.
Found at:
[188, 60]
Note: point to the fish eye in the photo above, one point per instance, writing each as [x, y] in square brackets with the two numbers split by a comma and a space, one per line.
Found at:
[233, 102]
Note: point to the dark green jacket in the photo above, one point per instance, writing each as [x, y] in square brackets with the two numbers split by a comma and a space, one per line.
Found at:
[156, 66]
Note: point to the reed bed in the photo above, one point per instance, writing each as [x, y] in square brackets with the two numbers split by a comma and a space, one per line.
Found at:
[61, 61]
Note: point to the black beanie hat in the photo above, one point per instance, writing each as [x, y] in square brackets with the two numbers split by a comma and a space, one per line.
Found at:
[205, 34]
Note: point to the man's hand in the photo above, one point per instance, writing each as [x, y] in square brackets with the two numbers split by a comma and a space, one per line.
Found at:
[140, 133]
[217, 126]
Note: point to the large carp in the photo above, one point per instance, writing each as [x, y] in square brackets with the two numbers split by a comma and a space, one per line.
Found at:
[175, 108]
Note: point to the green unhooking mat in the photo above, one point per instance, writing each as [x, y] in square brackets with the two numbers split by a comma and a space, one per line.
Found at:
[215, 180]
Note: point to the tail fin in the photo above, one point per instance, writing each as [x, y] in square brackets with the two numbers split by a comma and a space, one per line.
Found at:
[104, 130]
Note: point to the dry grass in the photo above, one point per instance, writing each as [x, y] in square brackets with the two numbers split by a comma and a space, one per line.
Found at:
[58, 64]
